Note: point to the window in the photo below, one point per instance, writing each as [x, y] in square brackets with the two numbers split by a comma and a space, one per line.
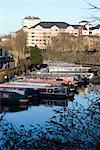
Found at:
[50, 90]
[56, 90]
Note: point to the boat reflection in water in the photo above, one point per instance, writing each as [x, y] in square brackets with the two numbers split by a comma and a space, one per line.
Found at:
[9, 106]
[49, 102]
[54, 102]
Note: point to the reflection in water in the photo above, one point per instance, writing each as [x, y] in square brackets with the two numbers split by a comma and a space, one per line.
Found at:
[83, 91]
[68, 128]
[12, 107]
[15, 106]
[72, 125]
[52, 102]
[20, 106]
[95, 87]
[86, 90]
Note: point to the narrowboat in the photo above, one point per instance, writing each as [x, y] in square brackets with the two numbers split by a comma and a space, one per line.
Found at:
[11, 96]
[56, 92]
[23, 89]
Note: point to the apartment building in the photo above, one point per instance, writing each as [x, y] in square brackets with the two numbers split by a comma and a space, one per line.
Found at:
[39, 33]
[95, 30]
[30, 21]
[93, 42]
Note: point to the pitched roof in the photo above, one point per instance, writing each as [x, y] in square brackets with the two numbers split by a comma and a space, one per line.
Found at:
[96, 27]
[75, 26]
[31, 17]
[83, 21]
[78, 26]
[51, 24]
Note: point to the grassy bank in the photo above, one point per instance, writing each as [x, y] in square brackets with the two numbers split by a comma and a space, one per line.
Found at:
[75, 56]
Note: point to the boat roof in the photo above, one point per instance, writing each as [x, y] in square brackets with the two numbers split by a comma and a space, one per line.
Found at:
[22, 86]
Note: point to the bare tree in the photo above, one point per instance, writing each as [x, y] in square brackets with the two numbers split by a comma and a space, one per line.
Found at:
[94, 5]
[16, 43]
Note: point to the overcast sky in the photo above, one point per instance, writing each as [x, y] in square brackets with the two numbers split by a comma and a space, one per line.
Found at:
[13, 11]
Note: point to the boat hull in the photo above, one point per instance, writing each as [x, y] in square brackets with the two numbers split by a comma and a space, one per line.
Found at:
[51, 96]
[11, 96]
[55, 96]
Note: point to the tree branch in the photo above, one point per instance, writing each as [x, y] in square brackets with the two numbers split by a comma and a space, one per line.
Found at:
[92, 6]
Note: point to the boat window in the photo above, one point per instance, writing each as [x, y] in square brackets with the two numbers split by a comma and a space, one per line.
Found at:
[1, 89]
[63, 90]
[50, 90]
[42, 90]
[56, 90]
[59, 79]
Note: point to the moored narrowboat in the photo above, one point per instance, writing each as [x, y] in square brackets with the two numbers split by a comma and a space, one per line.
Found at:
[8, 96]
[56, 92]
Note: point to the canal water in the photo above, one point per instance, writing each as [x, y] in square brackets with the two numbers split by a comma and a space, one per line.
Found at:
[39, 111]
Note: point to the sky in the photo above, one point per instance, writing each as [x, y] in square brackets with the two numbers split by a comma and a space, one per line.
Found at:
[13, 11]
